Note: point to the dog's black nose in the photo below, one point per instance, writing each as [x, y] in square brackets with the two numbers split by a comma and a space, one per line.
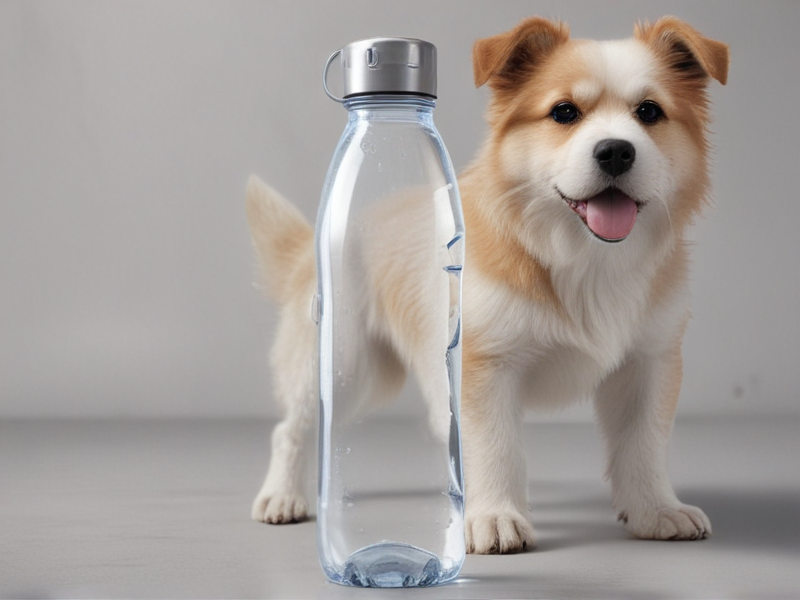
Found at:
[614, 156]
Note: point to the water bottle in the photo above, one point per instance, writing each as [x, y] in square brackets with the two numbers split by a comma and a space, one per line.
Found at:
[389, 249]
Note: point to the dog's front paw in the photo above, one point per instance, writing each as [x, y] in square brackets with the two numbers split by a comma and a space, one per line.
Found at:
[499, 532]
[280, 508]
[672, 522]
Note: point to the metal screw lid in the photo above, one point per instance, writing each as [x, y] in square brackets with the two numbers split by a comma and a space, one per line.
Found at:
[386, 65]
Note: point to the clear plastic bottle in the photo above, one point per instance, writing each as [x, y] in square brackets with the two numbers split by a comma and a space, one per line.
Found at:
[390, 249]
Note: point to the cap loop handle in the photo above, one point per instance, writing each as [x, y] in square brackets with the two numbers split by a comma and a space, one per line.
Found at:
[325, 78]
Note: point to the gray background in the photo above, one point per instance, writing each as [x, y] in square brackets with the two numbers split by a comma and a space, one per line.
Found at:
[128, 131]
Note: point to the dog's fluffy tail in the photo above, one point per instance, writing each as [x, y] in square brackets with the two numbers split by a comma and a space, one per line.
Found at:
[282, 237]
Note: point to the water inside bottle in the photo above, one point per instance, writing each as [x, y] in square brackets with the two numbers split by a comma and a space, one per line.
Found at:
[393, 565]
[415, 508]
[390, 255]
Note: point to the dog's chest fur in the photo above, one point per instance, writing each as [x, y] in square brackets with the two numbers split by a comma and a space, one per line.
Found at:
[562, 352]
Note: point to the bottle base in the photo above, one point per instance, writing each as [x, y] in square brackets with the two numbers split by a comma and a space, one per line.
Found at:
[393, 565]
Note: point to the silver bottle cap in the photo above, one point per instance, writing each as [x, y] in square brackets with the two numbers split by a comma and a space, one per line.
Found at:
[385, 65]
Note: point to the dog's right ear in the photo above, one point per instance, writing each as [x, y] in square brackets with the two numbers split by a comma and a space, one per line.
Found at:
[505, 59]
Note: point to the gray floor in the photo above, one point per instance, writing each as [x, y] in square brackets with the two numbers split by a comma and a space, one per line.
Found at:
[113, 509]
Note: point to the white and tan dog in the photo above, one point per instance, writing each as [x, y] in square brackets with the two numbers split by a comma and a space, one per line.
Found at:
[575, 282]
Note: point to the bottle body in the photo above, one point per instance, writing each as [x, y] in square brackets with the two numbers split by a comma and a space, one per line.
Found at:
[390, 249]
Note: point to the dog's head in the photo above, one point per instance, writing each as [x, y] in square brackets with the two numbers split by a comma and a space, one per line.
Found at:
[601, 140]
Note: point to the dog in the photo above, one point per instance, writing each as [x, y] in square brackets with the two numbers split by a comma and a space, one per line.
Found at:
[575, 280]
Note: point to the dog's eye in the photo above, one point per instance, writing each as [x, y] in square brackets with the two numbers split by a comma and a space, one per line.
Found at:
[649, 112]
[565, 112]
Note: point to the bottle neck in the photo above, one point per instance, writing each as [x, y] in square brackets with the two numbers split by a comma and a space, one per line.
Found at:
[389, 105]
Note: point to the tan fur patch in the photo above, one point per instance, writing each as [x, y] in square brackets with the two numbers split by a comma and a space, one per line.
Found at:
[476, 374]
[668, 403]
[496, 254]
[283, 240]
[674, 37]
[670, 276]
[551, 82]
[687, 60]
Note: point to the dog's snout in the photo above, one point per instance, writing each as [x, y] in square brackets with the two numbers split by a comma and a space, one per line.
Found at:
[615, 157]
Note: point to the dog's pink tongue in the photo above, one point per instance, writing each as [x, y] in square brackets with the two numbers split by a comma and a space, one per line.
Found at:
[611, 214]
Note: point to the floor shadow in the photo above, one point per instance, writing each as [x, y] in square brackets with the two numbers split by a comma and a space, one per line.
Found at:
[754, 519]
[765, 519]
[569, 514]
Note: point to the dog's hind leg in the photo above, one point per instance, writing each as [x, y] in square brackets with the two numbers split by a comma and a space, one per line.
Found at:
[281, 498]
[284, 243]
[636, 407]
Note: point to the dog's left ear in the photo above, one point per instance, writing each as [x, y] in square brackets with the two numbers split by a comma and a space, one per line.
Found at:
[694, 56]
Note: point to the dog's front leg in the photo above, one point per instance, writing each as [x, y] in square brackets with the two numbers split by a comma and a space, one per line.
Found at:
[636, 407]
[494, 463]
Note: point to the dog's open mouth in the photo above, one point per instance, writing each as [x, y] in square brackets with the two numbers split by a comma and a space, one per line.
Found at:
[610, 215]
